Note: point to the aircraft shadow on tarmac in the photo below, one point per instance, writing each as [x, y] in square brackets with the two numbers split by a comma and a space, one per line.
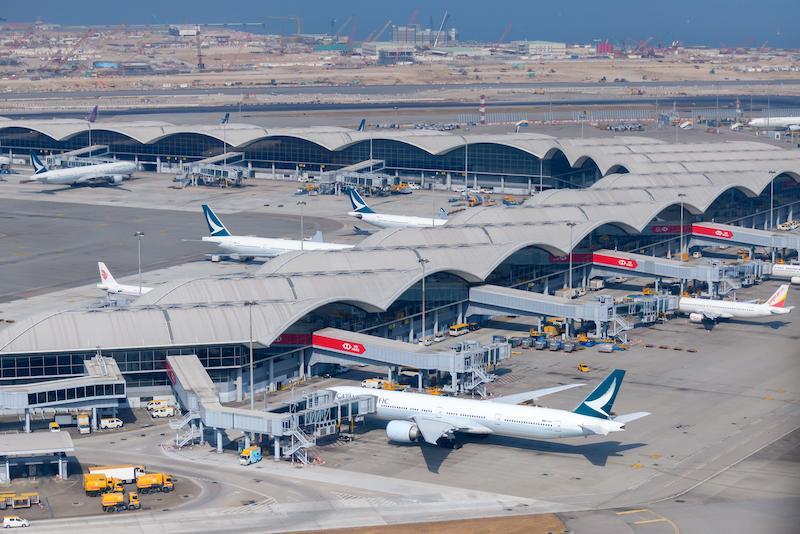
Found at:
[774, 325]
[81, 186]
[597, 453]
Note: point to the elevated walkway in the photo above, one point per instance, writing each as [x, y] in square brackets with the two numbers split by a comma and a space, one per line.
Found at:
[79, 157]
[465, 366]
[720, 234]
[294, 431]
[370, 165]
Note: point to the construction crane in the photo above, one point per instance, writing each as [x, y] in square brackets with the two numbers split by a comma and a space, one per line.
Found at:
[198, 42]
[376, 35]
[643, 45]
[441, 27]
[60, 59]
[343, 26]
[413, 18]
[503, 35]
[353, 30]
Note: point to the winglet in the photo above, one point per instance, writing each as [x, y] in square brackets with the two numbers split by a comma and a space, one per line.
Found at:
[599, 402]
[442, 214]
[359, 205]
[214, 223]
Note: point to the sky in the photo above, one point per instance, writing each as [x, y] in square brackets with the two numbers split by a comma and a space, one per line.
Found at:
[746, 23]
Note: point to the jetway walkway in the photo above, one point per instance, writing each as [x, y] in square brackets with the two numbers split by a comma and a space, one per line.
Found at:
[103, 386]
[721, 278]
[294, 432]
[467, 366]
[612, 318]
[712, 234]
[79, 157]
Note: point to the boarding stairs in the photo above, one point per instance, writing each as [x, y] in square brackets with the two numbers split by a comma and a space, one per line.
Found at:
[475, 380]
[299, 444]
[618, 329]
[727, 285]
[185, 430]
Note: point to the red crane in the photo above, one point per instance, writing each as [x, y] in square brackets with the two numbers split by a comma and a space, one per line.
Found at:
[505, 33]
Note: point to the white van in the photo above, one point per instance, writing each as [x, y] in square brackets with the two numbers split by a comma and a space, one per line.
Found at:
[374, 383]
[157, 403]
[12, 521]
[110, 422]
[164, 411]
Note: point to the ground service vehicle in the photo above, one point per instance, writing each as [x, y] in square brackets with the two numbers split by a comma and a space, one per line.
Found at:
[157, 403]
[116, 502]
[250, 455]
[83, 423]
[12, 521]
[55, 427]
[164, 411]
[95, 484]
[459, 329]
[155, 482]
[583, 368]
[127, 474]
[374, 383]
[111, 422]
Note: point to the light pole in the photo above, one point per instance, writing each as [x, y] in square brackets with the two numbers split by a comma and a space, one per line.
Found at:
[422, 262]
[250, 304]
[139, 236]
[569, 276]
[680, 247]
[301, 203]
[771, 198]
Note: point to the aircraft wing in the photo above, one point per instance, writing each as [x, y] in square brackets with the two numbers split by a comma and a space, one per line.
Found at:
[518, 398]
[628, 417]
[711, 316]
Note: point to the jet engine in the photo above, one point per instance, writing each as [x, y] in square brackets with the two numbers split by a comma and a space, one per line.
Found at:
[696, 317]
[117, 179]
[402, 432]
[795, 280]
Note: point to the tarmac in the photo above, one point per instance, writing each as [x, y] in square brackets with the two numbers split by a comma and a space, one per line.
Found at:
[720, 448]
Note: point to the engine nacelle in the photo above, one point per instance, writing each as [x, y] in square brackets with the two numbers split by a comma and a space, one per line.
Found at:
[402, 432]
[795, 280]
[117, 179]
[696, 317]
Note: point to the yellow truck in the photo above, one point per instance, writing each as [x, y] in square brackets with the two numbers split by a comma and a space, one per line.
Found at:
[154, 483]
[95, 484]
[117, 502]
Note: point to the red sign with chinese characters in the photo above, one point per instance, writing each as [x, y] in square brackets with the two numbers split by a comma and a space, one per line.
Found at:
[718, 233]
[337, 344]
[614, 261]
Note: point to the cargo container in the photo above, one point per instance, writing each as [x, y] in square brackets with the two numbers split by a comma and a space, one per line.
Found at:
[127, 473]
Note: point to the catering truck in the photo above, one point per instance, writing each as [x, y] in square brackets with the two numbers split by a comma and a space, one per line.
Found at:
[83, 423]
[250, 455]
[126, 473]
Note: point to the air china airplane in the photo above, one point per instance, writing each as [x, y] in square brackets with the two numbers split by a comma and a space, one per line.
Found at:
[108, 173]
[383, 220]
[416, 417]
[250, 246]
[111, 286]
[700, 310]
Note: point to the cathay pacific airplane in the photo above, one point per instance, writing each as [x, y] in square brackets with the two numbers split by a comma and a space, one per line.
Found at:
[700, 310]
[248, 247]
[416, 417]
[785, 270]
[112, 287]
[102, 173]
[382, 220]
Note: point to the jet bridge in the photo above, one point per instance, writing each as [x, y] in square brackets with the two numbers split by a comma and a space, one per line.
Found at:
[713, 234]
[721, 278]
[466, 364]
[294, 432]
[612, 317]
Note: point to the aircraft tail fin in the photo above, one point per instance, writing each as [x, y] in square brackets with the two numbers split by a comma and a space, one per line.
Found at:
[214, 223]
[317, 238]
[442, 213]
[38, 166]
[359, 205]
[106, 279]
[778, 299]
[362, 125]
[599, 402]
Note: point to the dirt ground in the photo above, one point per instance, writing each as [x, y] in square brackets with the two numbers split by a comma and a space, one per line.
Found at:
[528, 524]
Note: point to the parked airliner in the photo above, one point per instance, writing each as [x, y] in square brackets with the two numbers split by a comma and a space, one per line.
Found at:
[700, 310]
[776, 123]
[112, 287]
[248, 247]
[786, 271]
[108, 173]
[383, 220]
[415, 417]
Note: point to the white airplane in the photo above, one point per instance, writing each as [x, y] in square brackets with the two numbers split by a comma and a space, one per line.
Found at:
[112, 287]
[784, 271]
[777, 123]
[382, 220]
[700, 310]
[248, 247]
[437, 420]
[108, 173]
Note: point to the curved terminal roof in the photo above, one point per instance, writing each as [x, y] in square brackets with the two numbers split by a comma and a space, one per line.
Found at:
[210, 310]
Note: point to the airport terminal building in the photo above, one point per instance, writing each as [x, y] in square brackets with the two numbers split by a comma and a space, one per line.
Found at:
[644, 190]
